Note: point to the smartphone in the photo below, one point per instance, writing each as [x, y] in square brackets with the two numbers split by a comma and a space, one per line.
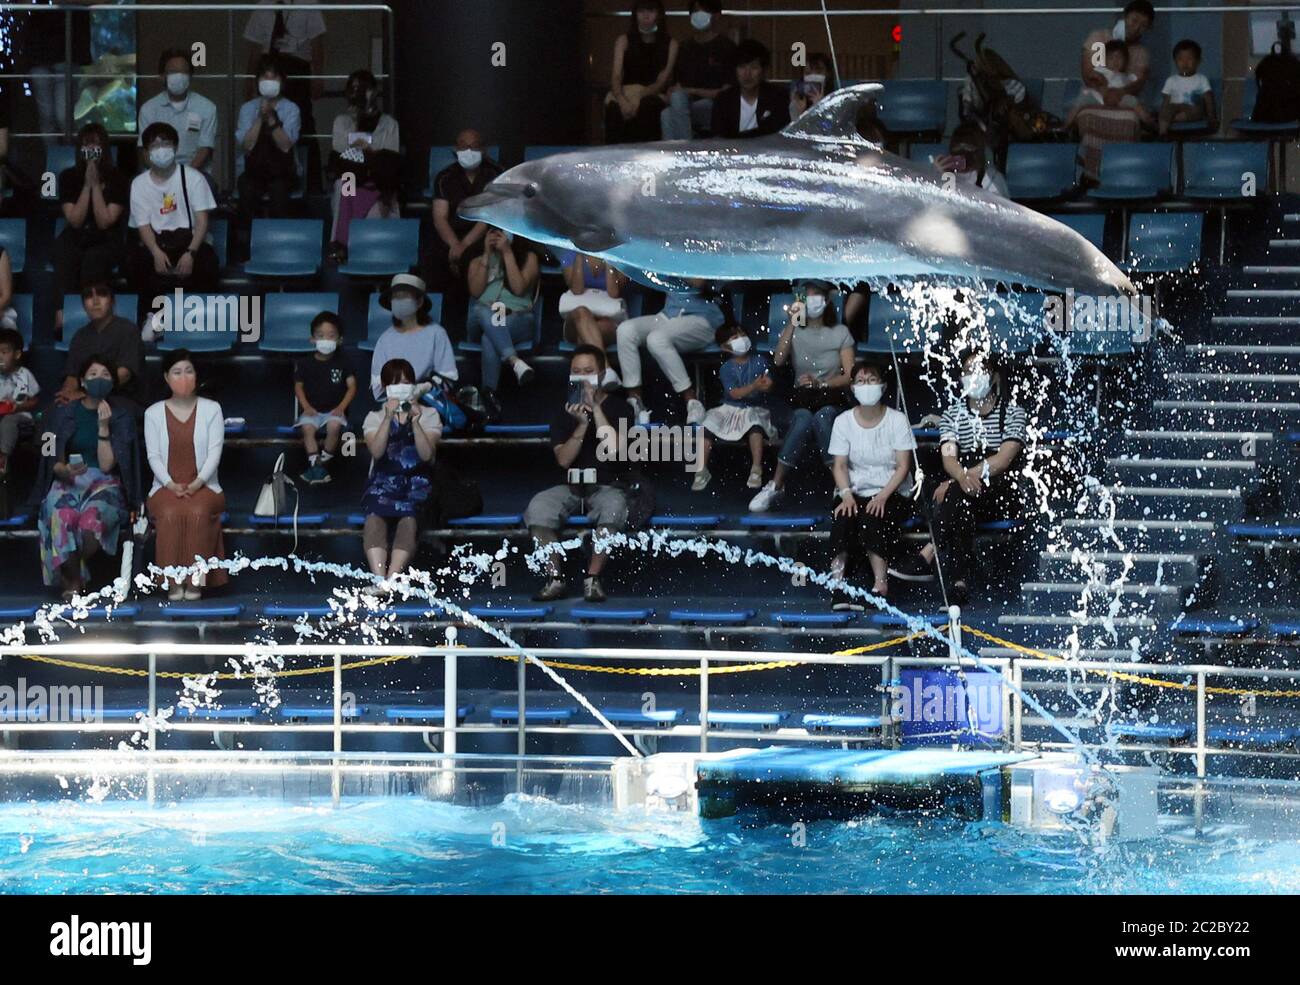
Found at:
[577, 392]
[75, 460]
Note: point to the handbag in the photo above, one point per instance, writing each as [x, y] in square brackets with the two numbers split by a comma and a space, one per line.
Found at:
[274, 497]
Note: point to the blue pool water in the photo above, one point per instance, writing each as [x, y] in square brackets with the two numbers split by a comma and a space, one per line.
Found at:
[412, 845]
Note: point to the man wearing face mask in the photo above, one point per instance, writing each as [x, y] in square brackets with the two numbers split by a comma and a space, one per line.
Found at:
[576, 438]
[445, 262]
[704, 69]
[191, 115]
[981, 440]
[268, 129]
[105, 334]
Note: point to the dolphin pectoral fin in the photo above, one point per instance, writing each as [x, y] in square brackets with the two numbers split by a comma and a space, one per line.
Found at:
[595, 239]
[836, 115]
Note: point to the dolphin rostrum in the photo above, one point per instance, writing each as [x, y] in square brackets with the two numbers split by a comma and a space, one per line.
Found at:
[813, 201]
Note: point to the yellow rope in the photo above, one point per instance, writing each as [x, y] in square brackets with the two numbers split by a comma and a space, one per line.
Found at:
[222, 675]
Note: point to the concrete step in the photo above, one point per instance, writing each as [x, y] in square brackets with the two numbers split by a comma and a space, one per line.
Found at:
[1253, 357]
[1056, 631]
[1162, 503]
[1243, 415]
[1234, 386]
[1143, 567]
[1137, 599]
[1211, 445]
[1182, 473]
[1186, 536]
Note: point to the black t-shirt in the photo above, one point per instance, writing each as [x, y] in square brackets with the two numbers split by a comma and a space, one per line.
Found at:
[453, 186]
[118, 340]
[324, 381]
[564, 424]
[706, 65]
[117, 191]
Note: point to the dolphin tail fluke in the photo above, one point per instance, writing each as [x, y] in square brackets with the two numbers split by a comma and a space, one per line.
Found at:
[837, 114]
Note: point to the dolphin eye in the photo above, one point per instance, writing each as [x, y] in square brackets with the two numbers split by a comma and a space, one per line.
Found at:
[530, 190]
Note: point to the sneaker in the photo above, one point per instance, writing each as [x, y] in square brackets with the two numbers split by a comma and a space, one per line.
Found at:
[638, 408]
[755, 480]
[193, 594]
[913, 568]
[694, 412]
[591, 590]
[612, 380]
[554, 589]
[767, 497]
[317, 475]
[523, 372]
[842, 601]
[702, 478]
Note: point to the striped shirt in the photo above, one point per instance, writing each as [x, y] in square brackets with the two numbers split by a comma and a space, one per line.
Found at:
[979, 437]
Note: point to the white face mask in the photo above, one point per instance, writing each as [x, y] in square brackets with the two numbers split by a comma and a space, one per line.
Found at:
[868, 394]
[469, 159]
[815, 80]
[178, 83]
[816, 305]
[401, 392]
[976, 385]
[326, 347]
[740, 345]
[701, 20]
[162, 157]
[404, 308]
[268, 88]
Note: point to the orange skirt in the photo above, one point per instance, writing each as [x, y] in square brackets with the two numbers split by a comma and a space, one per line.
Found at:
[187, 527]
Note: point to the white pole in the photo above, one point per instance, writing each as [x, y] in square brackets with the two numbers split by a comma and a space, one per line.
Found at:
[450, 702]
[336, 786]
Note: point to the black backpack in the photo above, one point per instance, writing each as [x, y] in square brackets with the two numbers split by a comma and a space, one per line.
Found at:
[1277, 77]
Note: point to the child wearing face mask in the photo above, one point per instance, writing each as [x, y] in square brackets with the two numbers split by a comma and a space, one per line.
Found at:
[873, 447]
[325, 387]
[743, 415]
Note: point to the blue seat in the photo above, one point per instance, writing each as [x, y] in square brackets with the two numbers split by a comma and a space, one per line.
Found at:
[1191, 626]
[1285, 628]
[925, 153]
[382, 247]
[701, 617]
[769, 521]
[1001, 526]
[425, 713]
[1015, 321]
[13, 238]
[597, 613]
[1090, 225]
[219, 237]
[1135, 172]
[414, 611]
[127, 713]
[1213, 170]
[1164, 241]
[23, 308]
[515, 612]
[661, 717]
[236, 429]
[748, 719]
[1250, 736]
[705, 521]
[206, 323]
[59, 157]
[379, 319]
[888, 318]
[226, 713]
[892, 621]
[277, 610]
[287, 520]
[201, 610]
[821, 722]
[75, 319]
[1042, 171]
[913, 106]
[285, 248]
[538, 716]
[812, 618]
[517, 430]
[100, 613]
[495, 521]
[535, 152]
[321, 713]
[286, 320]
[1149, 731]
[18, 612]
[1274, 528]
[444, 156]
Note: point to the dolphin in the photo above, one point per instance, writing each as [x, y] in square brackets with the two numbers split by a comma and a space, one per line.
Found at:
[816, 200]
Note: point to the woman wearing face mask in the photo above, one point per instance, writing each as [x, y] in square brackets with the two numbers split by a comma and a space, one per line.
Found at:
[872, 445]
[981, 439]
[94, 196]
[366, 146]
[414, 337]
[645, 59]
[819, 351]
[503, 281]
[705, 66]
[267, 131]
[88, 486]
[402, 437]
[170, 207]
[184, 435]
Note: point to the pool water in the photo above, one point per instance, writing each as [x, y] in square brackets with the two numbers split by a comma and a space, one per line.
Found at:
[528, 844]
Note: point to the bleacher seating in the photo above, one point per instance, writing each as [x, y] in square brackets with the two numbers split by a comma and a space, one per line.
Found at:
[382, 247]
[1135, 172]
[74, 315]
[1164, 241]
[285, 248]
[1042, 171]
[218, 328]
[13, 240]
[286, 320]
[914, 107]
[444, 156]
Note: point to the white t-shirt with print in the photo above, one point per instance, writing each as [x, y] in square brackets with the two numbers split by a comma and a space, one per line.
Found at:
[18, 386]
[1183, 90]
[872, 451]
[162, 206]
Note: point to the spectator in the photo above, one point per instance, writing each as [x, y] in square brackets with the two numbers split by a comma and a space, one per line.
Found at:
[815, 80]
[968, 160]
[44, 45]
[686, 324]
[18, 393]
[872, 445]
[645, 58]
[1115, 75]
[367, 145]
[704, 69]
[594, 305]
[1111, 122]
[414, 336]
[743, 416]
[191, 115]
[105, 334]
[820, 352]
[8, 314]
[444, 263]
[1187, 96]
[753, 107]
[503, 281]
[267, 132]
[90, 484]
[170, 206]
[981, 439]
[402, 437]
[295, 37]
[589, 487]
[325, 387]
[183, 437]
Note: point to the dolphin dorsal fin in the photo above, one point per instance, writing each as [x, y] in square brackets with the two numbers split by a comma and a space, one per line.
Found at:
[836, 116]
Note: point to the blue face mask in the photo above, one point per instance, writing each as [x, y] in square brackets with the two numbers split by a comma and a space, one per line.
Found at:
[98, 388]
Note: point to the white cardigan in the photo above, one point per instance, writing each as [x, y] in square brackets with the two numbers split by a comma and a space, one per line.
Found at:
[209, 436]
